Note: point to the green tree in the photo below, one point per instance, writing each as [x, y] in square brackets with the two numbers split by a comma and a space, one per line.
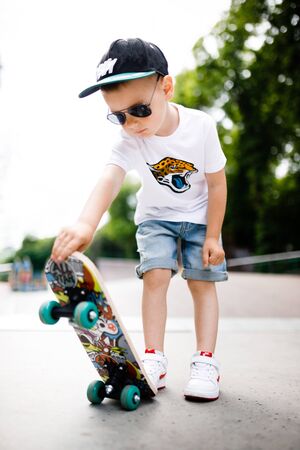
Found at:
[247, 70]
[38, 250]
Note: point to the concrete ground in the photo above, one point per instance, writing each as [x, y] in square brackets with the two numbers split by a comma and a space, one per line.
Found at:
[45, 372]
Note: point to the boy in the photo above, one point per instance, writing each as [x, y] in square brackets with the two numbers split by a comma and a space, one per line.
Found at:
[177, 154]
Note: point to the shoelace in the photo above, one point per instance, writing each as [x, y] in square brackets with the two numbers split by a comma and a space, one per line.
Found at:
[203, 371]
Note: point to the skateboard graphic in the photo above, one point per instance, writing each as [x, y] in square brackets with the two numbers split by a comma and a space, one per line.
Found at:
[82, 297]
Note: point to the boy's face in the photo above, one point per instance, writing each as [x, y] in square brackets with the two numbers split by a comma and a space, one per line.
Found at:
[134, 92]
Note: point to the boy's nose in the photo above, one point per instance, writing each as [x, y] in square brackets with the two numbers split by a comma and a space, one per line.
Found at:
[131, 122]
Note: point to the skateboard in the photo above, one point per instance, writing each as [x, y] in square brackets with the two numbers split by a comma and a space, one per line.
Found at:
[81, 296]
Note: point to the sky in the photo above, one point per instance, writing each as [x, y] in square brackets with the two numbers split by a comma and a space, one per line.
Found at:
[53, 145]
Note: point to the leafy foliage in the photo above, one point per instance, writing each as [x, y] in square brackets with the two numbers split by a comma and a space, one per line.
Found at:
[38, 250]
[247, 73]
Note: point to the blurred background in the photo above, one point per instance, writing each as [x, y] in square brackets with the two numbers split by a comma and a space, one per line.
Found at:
[236, 60]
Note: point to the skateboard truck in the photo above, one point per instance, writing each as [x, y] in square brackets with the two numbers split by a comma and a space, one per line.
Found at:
[117, 387]
[117, 381]
[84, 313]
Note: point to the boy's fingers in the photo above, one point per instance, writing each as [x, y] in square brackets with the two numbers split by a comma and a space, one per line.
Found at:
[216, 259]
[213, 259]
[59, 241]
[220, 259]
[65, 249]
[63, 254]
[205, 257]
[59, 246]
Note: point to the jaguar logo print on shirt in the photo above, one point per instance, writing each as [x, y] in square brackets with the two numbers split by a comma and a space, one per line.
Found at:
[173, 173]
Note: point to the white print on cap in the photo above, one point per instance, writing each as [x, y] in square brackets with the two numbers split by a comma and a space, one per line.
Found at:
[106, 67]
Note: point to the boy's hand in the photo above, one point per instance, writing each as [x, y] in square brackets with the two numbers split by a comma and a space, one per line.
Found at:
[71, 239]
[213, 253]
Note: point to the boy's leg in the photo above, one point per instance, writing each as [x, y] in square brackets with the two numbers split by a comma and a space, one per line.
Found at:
[154, 307]
[205, 374]
[157, 246]
[206, 314]
[204, 378]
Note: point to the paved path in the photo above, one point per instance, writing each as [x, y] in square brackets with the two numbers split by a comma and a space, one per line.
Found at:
[44, 374]
[244, 295]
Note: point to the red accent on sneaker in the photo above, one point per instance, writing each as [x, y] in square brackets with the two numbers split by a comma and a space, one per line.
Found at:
[150, 350]
[209, 354]
[162, 376]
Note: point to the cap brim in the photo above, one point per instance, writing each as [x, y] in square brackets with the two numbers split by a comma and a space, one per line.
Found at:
[115, 79]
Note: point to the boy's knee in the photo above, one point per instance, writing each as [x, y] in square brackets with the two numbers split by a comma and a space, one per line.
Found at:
[200, 285]
[157, 278]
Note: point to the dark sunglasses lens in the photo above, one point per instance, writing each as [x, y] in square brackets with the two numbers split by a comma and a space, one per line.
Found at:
[140, 111]
[118, 118]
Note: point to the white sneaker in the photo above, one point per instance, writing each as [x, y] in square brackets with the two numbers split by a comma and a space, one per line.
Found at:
[155, 364]
[205, 376]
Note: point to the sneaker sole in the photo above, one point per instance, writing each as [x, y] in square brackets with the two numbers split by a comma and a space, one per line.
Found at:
[195, 398]
[162, 383]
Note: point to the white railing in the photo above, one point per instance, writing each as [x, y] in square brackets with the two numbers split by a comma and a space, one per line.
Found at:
[274, 257]
[232, 262]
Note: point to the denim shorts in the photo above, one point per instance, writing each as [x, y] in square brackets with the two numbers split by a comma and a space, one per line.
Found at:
[157, 242]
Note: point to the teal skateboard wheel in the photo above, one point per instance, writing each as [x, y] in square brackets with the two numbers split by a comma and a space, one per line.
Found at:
[130, 397]
[86, 314]
[45, 312]
[96, 392]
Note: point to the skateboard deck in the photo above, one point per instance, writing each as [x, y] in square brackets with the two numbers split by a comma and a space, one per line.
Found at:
[83, 298]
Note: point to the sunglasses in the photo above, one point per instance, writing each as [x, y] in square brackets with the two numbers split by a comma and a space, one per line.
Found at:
[140, 110]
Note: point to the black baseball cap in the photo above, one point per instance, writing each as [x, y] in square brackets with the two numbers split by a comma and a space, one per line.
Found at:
[128, 59]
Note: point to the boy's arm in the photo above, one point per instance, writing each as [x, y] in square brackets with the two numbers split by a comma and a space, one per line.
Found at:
[79, 236]
[213, 253]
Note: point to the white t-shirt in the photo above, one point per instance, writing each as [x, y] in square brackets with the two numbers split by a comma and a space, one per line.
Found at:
[172, 168]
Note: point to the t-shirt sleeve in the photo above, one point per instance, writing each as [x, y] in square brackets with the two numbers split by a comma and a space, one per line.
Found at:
[215, 159]
[123, 151]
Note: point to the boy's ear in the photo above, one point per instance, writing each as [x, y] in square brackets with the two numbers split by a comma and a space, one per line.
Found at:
[168, 86]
